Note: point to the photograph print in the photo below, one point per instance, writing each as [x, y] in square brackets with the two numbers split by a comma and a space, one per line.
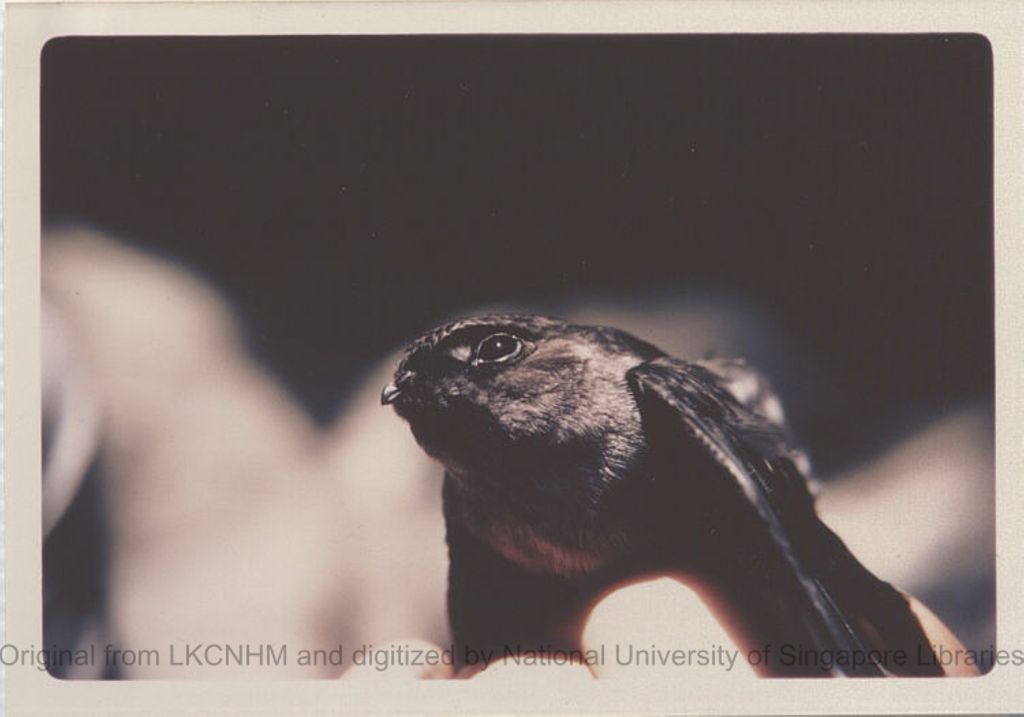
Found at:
[450, 356]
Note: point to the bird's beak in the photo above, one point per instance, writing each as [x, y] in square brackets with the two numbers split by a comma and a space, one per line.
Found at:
[390, 394]
[394, 389]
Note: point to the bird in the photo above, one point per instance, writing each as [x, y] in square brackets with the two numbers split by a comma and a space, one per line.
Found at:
[577, 457]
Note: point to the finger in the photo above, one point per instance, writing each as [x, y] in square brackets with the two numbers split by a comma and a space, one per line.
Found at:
[537, 668]
[660, 628]
[942, 638]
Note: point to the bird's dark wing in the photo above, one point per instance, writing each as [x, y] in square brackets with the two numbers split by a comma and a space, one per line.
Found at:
[752, 529]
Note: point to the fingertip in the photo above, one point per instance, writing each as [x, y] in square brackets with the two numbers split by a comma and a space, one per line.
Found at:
[659, 625]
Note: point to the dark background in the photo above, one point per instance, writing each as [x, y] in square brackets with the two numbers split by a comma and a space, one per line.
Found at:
[347, 193]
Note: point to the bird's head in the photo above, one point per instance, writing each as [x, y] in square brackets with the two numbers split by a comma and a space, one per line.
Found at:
[476, 389]
[536, 425]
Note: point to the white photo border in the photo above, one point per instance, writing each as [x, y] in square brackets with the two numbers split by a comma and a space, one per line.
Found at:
[30, 25]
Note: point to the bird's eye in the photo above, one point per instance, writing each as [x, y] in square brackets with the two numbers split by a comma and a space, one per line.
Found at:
[498, 348]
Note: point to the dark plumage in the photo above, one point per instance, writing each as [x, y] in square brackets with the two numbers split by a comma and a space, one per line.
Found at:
[578, 456]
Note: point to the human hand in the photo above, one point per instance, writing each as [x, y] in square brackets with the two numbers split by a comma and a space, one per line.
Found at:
[662, 626]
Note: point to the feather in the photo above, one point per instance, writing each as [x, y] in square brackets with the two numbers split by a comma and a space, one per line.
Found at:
[808, 579]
